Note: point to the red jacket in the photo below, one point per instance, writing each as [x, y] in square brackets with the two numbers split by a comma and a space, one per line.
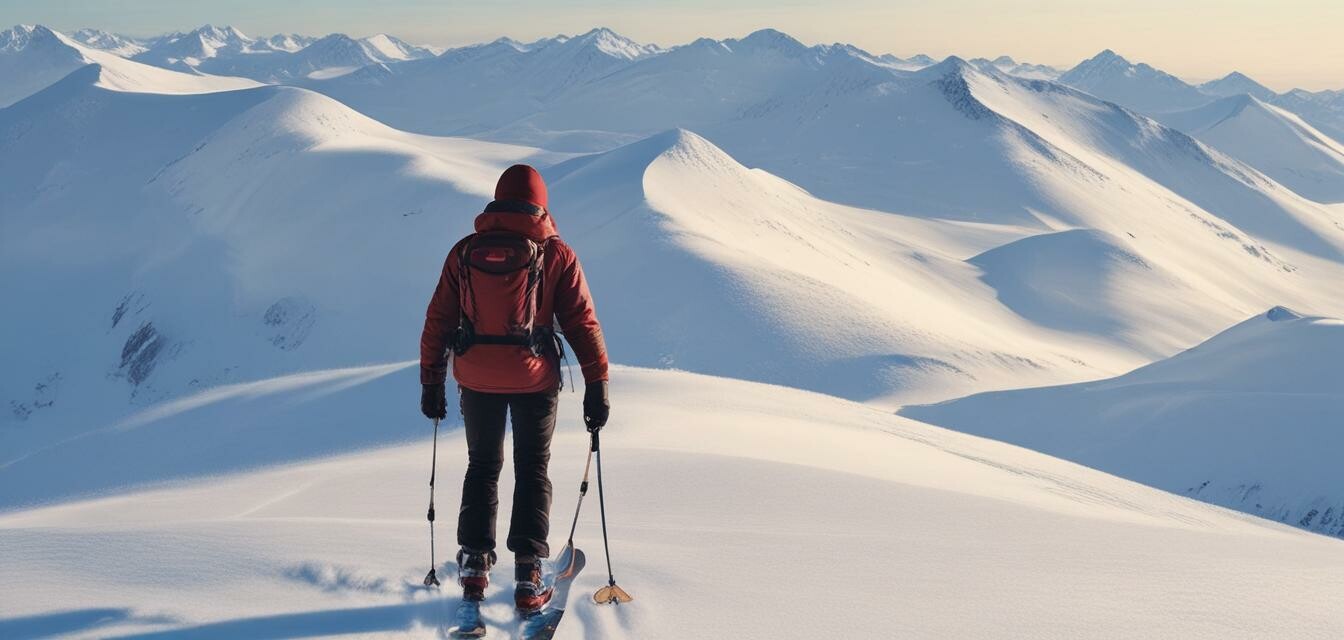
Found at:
[565, 297]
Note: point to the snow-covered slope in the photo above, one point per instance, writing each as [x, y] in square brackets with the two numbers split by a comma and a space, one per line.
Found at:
[243, 233]
[34, 57]
[1323, 109]
[757, 279]
[1141, 87]
[1247, 420]
[1157, 93]
[969, 144]
[1272, 140]
[720, 495]
[866, 304]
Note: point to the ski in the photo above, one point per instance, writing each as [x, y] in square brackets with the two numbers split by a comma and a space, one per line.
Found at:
[469, 623]
[542, 625]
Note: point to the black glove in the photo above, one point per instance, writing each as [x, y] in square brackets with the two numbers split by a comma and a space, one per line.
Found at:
[433, 402]
[596, 409]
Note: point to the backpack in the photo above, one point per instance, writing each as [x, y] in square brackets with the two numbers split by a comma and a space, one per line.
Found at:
[499, 284]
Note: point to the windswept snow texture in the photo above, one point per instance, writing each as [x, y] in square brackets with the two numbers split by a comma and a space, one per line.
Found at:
[1247, 420]
[770, 488]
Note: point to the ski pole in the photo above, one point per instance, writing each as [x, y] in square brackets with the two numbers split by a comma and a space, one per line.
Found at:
[431, 579]
[610, 594]
[583, 491]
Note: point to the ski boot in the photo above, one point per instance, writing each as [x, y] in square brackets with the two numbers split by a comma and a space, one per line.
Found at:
[532, 591]
[473, 573]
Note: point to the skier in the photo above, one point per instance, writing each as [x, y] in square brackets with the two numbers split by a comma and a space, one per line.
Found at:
[500, 293]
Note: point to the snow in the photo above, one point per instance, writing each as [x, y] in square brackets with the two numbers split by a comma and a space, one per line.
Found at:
[1272, 140]
[109, 42]
[32, 58]
[1235, 84]
[1242, 420]
[710, 483]
[1020, 69]
[242, 272]
[386, 48]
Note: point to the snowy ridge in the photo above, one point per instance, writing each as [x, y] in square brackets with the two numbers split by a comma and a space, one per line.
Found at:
[109, 42]
[207, 212]
[32, 58]
[1272, 140]
[1243, 420]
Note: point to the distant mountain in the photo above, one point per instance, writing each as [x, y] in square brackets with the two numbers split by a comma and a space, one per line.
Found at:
[289, 42]
[1245, 420]
[1237, 83]
[1020, 69]
[276, 59]
[32, 57]
[1141, 87]
[1156, 92]
[187, 51]
[1271, 139]
[815, 116]
[1323, 109]
[110, 42]
[388, 49]
[35, 57]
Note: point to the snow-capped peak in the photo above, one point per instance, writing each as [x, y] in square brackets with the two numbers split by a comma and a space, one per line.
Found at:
[226, 34]
[110, 42]
[1139, 86]
[1236, 83]
[288, 42]
[20, 37]
[388, 48]
[612, 44]
[772, 40]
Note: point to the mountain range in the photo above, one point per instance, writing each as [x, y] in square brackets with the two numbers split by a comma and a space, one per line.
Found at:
[216, 272]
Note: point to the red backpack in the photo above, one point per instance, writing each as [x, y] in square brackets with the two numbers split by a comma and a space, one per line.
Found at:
[499, 284]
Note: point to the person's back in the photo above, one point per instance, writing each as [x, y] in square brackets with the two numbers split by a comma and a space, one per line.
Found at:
[500, 293]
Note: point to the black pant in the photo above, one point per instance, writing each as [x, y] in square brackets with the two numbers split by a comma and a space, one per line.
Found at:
[533, 425]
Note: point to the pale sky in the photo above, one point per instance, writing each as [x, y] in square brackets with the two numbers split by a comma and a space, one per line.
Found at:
[1283, 44]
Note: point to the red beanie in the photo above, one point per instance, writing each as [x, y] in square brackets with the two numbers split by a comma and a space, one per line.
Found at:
[521, 182]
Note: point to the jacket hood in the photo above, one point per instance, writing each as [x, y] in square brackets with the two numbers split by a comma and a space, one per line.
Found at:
[519, 205]
[537, 228]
